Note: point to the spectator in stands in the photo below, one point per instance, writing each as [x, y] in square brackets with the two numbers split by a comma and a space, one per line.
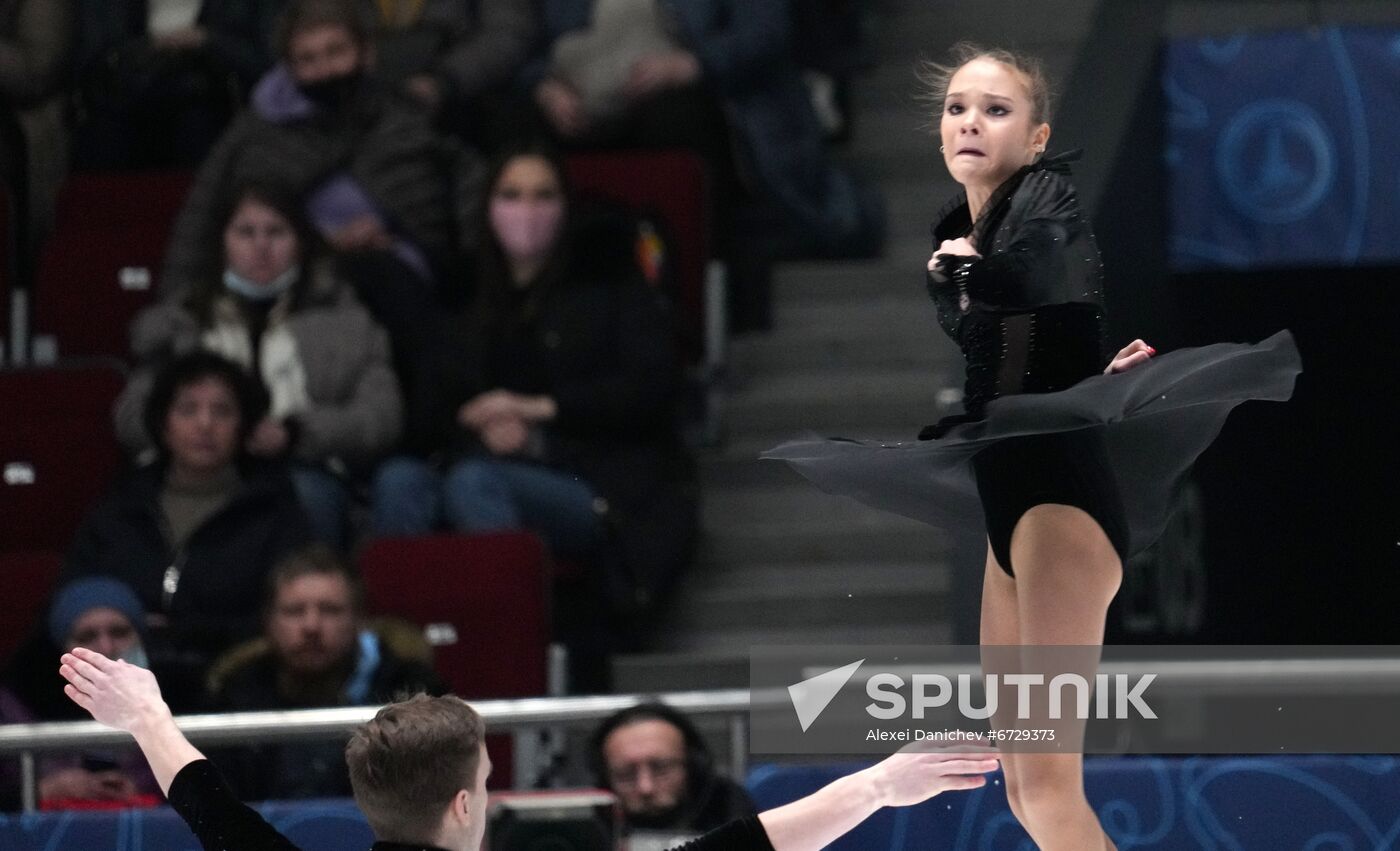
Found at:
[550, 405]
[102, 615]
[392, 198]
[454, 57]
[158, 80]
[195, 532]
[654, 759]
[640, 72]
[36, 38]
[316, 651]
[268, 300]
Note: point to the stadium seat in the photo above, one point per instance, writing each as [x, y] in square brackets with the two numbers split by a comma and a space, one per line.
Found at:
[57, 451]
[101, 265]
[28, 579]
[483, 601]
[674, 185]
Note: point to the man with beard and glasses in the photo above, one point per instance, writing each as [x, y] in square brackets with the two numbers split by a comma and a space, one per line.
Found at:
[655, 760]
[395, 201]
[316, 652]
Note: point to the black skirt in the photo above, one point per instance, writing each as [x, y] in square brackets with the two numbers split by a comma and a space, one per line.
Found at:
[1138, 433]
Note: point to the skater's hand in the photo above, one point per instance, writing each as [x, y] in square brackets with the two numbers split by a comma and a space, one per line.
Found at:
[960, 247]
[1136, 352]
[116, 693]
[921, 770]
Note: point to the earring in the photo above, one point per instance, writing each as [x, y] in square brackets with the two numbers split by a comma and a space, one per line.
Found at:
[940, 149]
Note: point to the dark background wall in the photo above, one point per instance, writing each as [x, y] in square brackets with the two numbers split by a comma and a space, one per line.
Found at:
[1298, 538]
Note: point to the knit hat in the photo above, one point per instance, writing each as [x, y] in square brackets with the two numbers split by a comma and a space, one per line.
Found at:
[78, 597]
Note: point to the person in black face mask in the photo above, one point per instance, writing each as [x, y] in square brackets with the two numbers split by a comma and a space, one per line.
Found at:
[395, 202]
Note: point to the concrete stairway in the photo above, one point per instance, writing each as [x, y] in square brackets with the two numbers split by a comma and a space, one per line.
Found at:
[854, 351]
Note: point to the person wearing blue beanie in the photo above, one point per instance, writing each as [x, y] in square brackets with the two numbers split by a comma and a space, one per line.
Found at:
[99, 613]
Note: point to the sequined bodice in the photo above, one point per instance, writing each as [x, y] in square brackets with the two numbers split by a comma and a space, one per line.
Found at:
[1028, 315]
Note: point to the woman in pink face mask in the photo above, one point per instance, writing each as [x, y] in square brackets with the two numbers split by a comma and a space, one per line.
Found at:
[551, 402]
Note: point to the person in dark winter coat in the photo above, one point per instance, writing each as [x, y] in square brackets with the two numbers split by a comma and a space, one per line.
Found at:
[737, 51]
[159, 79]
[316, 651]
[550, 406]
[453, 56]
[195, 533]
[394, 200]
[268, 301]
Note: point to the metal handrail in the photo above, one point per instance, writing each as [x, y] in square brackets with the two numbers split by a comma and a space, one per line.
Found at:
[290, 725]
[509, 716]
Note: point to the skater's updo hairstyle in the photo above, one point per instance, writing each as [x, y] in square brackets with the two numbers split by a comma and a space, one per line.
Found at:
[935, 77]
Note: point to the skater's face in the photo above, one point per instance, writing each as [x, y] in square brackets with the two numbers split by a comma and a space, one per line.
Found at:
[986, 127]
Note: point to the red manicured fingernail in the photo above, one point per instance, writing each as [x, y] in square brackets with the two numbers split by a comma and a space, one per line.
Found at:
[1151, 351]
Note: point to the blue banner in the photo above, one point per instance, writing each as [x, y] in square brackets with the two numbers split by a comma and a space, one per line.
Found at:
[1283, 149]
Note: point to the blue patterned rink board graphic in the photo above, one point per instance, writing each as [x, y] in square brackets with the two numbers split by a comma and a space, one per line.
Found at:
[1283, 149]
[1302, 803]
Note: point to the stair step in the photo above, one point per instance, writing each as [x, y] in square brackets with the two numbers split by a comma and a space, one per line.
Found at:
[778, 581]
[933, 630]
[897, 540]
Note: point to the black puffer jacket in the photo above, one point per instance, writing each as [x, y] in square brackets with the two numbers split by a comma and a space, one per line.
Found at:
[600, 342]
[222, 568]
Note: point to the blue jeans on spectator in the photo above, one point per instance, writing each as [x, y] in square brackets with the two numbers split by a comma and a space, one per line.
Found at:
[326, 501]
[486, 495]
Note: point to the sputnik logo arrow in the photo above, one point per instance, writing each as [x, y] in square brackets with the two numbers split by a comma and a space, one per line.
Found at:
[811, 696]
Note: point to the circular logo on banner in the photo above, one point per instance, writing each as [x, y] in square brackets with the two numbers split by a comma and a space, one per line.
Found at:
[1276, 161]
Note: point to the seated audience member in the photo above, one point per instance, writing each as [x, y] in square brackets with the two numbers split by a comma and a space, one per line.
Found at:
[654, 759]
[36, 37]
[720, 77]
[195, 532]
[269, 302]
[550, 406]
[102, 615]
[419, 770]
[392, 198]
[159, 79]
[453, 57]
[316, 651]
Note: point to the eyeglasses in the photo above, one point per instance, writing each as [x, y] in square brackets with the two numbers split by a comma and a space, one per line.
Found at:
[627, 775]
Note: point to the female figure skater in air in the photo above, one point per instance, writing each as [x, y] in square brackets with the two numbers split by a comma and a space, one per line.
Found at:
[1073, 458]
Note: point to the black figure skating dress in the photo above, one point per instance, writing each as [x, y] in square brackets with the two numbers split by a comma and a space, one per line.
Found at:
[1043, 424]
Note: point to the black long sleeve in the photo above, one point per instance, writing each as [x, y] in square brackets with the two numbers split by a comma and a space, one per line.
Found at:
[219, 820]
[745, 834]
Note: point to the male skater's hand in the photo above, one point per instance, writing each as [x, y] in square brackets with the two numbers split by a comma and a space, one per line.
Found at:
[1136, 352]
[116, 693]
